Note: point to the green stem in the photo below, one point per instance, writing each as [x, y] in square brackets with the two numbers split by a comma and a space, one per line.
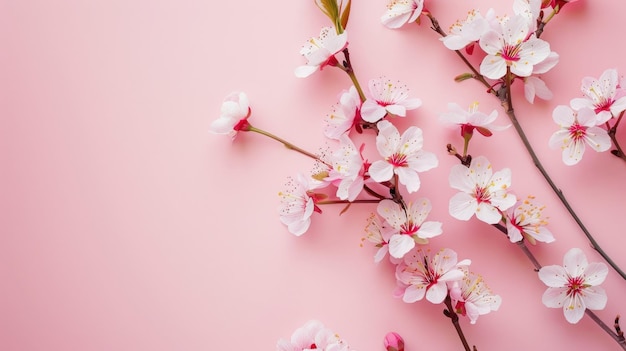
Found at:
[287, 144]
[350, 71]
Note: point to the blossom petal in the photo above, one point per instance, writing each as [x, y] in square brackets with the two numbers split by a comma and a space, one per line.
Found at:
[437, 293]
[595, 298]
[488, 213]
[554, 297]
[553, 276]
[381, 171]
[462, 206]
[596, 273]
[400, 244]
[409, 178]
[414, 293]
[574, 309]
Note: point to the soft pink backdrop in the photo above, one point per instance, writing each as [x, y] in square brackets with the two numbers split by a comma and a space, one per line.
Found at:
[125, 225]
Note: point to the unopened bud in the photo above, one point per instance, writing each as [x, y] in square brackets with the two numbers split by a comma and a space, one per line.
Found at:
[462, 77]
[394, 342]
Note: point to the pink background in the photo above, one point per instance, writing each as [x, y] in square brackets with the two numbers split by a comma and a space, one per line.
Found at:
[125, 225]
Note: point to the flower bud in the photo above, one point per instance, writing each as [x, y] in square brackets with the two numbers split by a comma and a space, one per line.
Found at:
[394, 342]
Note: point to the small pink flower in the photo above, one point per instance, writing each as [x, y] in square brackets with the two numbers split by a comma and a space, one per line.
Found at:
[385, 97]
[401, 12]
[348, 170]
[467, 32]
[483, 193]
[298, 204]
[470, 120]
[393, 342]
[472, 298]
[603, 95]
[525, 220]
[378, 234]
[312, 336]
[234, 115]
[574, 287]
[341, 120]
[577, 129]
[422, 275]
[409, 223]
[320, 52]
[403, 155]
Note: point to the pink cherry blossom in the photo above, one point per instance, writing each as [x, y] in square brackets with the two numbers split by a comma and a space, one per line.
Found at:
[603, 95]
[510, 46]
[422, 274]
[469, 31]
[401, 12]
[483, 193]
[470, 119]
[577, 129]
[535, 86]
[378, 234]
[409, 223]
[574, 287]
[320, 52]
[348, 170]
[343, 117]
[313, 336]
[471, 297]
[402, 155]
[234, 115]
[525, 220]
[385, 97]
[297, 204]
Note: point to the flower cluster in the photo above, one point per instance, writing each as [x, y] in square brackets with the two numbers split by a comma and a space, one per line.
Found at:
[384, 170]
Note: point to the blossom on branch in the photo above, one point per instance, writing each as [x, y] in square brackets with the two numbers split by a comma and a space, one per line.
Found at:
[422, 275]
[320, 52]
[385, 97]
[471, 297]
[401, 12]
[511, 46]
[341, 120]
[525, 220]
[470, 120]
[234, 115]
[409, 224]
[577, 128]
[378, 234]
[574, 286]
[469, 31]
[403, 156]
[298, 203]
[603, 95]
[313, 336]
[348, 170]
[483, 193]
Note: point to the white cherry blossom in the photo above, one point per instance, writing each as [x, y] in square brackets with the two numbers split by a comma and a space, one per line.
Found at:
[402, 155]
[342, 118]
[385, 97]
[297, 204]
[482, 192]
[464, 33]
[320, 52]
[234, 114]
[409, 223]
[312, 336]
[603, 95]
[347, 170]
[510, 46]
[574, 287]
[471, 297]
[401, 12]
[525, 220]
[577, 129]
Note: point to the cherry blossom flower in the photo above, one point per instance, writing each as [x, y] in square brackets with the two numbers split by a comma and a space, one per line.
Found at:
[234, 115]
[348, 170]
[530, 9]
[312, 336]
[401, 12]
[577, 128]
[469, 31]
[471, 297]
[603, 95]
[378, 234]
[535, 86]
[298, 204]
[510, 46]
[574, 286]
[421, 274]
[320, 52]
[525, 220]
[470, 119]
[409, 224]
[403, 155]
[385, 97]
[483, 192]
[342, 119]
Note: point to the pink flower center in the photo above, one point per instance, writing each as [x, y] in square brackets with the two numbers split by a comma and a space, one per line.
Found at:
[510, 52]
[409, 228]
[313, 347]
[398, 160]
[575, 286]
[604, 105]
[482, 194]
[577, 132]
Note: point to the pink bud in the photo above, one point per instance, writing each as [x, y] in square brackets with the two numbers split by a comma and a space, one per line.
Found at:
[394, 342]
